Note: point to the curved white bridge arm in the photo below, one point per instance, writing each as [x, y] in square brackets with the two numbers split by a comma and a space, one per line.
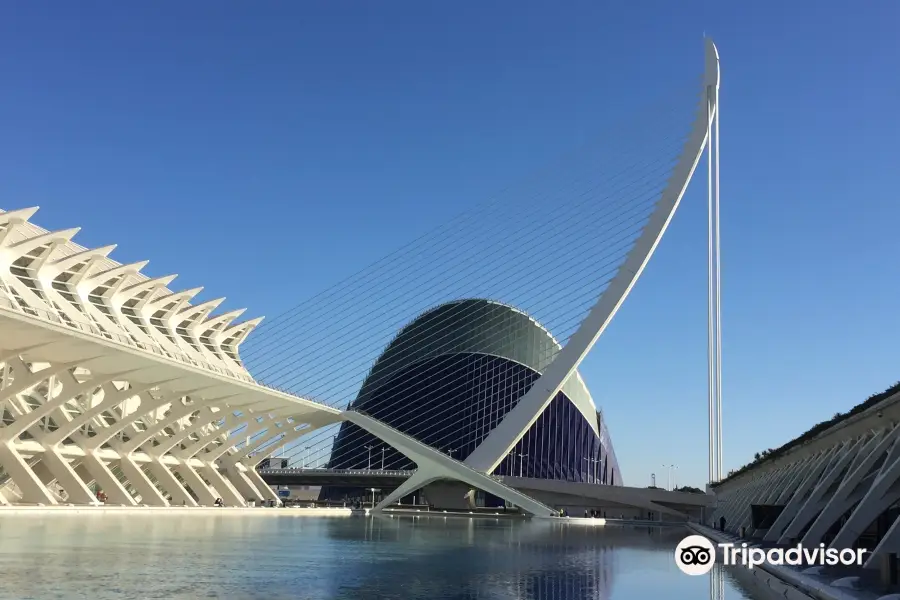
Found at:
[516, 423]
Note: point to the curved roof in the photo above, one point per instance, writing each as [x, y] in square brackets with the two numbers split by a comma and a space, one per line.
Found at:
[46, 273]
[476, 325]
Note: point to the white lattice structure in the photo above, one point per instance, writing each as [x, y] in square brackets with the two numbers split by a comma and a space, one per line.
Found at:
[110, 380]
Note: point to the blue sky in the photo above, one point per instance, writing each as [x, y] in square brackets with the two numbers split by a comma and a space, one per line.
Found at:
[266, 151]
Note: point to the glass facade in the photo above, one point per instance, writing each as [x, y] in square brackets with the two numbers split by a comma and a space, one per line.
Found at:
[451, 375]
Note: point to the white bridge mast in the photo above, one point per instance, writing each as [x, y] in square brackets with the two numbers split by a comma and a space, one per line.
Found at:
[714, 322]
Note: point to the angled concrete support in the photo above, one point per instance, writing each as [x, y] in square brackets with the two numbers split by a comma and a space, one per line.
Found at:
[416, 481]
[71, 390]
[47, 478]
[205, 495]
[878, 498]
[67, 477]
[841, 500]
[889, 544]
[433, 465]
[799, 494]
[762, 491]
[223, 487]
[112, 397]
[170, 483]
[818, 498]
[108, 482]
[150, 495]
[236, 474]
[32, 488]
[147, 405]
[280, 435]
[261, 486]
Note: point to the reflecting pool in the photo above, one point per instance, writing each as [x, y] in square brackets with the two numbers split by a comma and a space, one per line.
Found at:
[177, 556]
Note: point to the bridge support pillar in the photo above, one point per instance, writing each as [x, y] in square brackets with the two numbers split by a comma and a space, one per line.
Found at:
[434, 465]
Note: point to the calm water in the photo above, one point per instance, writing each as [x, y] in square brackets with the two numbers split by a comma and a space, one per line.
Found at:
[308, 558]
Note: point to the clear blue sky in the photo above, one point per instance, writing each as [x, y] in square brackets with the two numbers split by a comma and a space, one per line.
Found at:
[266, 150]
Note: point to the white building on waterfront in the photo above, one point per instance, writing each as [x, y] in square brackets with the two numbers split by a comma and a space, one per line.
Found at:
[112, 382]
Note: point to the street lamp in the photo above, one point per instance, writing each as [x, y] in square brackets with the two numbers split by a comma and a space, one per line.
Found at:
[382, 458]
[522, 463]
[369, 448]
[670, 478]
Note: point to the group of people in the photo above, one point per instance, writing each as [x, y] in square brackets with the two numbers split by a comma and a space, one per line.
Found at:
[594, 514]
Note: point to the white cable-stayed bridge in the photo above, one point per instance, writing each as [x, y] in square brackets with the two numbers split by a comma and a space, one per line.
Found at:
[453, 360]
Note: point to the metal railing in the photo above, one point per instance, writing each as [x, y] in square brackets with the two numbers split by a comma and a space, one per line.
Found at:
[96, 331]
[326, 471]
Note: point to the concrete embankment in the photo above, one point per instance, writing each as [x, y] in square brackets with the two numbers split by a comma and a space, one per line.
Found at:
[6, 511]
[787, 582]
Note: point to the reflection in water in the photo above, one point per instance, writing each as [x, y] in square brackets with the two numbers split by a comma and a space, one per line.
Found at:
[241, 557]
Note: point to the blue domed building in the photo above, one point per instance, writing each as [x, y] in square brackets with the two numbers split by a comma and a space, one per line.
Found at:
[451, 375]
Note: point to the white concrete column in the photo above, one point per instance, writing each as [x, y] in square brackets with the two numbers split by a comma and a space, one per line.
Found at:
[877, 499]
[47, 478]
[204, 494]
[223, 487]
[136, 477]
[260, 484]
[32, 488]
[243, 484]
[67, 478]
[108, 482]
[168, 482]
[889, 544]
[841, 500]
[797, 496]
